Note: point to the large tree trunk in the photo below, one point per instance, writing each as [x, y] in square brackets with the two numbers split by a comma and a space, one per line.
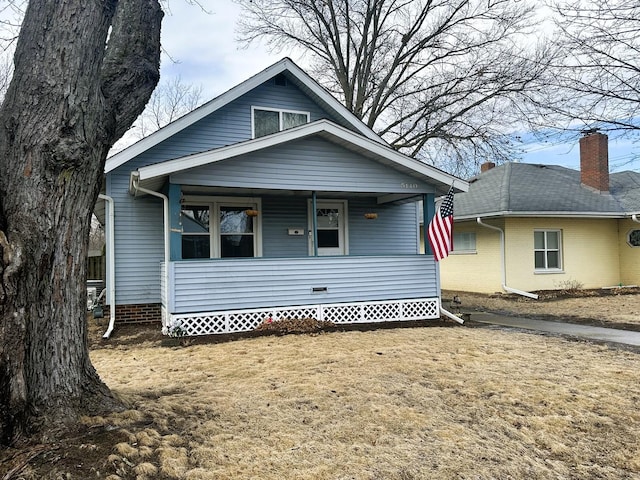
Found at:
[70, 99]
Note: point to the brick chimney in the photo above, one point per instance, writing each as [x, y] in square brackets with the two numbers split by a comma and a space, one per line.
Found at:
[594, 161]
[486, 166]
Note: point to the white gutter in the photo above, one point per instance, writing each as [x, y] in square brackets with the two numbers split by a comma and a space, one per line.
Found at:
[635, 218]
[111, 259]
[135, 180]
[504, 267]
[536, 214]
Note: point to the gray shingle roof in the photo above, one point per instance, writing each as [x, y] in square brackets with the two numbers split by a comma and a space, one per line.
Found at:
[529, 189]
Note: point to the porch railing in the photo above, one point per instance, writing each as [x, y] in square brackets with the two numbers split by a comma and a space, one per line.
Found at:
[232, 284]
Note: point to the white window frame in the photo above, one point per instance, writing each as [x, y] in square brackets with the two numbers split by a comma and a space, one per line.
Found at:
[464, 251]
[546, 269]
[280, 112]
[214, 204]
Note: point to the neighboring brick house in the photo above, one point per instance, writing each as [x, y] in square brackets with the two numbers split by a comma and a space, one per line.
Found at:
[532, 227]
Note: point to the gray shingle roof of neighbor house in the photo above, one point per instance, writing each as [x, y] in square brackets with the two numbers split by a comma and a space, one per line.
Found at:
[522, 189]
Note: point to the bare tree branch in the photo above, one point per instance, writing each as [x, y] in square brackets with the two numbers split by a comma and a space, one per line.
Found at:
[597, 84]
[422, 73]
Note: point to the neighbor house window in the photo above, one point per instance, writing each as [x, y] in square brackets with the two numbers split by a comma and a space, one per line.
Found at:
[547, 249]
[464, 242]
[221, 228]
[634, 238]
[268, 120]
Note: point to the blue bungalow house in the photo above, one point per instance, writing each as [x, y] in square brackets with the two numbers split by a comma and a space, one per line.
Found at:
[270, 201]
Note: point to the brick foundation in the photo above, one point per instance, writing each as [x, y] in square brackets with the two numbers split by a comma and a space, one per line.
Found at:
[140, 313]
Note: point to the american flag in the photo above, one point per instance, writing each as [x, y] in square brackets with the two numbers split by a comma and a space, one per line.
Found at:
[440, 230]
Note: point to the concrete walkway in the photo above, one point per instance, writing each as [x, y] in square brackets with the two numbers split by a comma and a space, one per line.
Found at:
[582, 331]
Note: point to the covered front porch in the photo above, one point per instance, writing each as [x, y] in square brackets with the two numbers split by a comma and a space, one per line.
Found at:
[202, 297]
[314, 221]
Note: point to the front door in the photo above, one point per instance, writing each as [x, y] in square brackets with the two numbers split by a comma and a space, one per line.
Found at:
[331, 222]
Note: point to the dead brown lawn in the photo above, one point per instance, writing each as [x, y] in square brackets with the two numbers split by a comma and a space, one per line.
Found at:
[407, 403]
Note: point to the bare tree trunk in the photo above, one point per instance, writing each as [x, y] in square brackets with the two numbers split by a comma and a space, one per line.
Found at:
[70, 99]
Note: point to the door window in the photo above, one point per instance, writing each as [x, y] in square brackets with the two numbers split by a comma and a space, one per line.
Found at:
[331, 224]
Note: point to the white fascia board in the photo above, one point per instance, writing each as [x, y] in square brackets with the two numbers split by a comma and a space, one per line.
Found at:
[326, 97]
[540, 215]
[199, 113]
[404, 160]
[320, 126]
[223, 153]
[193, 116]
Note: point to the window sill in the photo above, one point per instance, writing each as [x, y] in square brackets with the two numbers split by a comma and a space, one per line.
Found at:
[549, 271]
[464, 252]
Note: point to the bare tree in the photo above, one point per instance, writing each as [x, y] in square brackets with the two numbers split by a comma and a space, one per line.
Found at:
[598, 83]
[6, 70]
[83, 72]
[437, 78]
[170, 100]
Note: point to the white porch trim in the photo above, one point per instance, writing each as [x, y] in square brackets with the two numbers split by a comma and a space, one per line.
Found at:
[236, 321]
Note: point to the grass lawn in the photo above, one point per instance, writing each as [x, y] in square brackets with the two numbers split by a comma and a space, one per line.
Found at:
[408, 403]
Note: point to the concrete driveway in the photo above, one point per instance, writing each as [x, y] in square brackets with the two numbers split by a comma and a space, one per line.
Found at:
[581, 331]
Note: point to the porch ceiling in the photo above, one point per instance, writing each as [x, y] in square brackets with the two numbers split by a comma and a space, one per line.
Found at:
[259, 192]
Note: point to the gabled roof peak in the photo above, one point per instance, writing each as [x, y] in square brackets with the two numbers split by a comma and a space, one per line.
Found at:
[302, 79]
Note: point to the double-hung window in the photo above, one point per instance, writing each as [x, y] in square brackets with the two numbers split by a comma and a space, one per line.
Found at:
[221, 228]
[547, 245]
[196, 234]
[269, 120]
[464, 242]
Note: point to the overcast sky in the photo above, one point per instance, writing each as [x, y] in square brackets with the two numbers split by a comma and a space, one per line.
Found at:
[203, 49]
[204, 53]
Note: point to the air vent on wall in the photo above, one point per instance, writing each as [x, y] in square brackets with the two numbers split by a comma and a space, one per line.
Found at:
[280, 80]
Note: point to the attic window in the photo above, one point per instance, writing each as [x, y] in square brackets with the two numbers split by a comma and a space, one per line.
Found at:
[634, 238]
[280, 80]
[270, 120]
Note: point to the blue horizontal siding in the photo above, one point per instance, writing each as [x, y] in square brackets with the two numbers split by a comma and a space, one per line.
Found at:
[394, 232]
[232, 123]
[305, 164]
[314, 164]
[200, 286]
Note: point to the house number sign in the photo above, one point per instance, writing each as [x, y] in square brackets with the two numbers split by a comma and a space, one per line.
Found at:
[408, 185]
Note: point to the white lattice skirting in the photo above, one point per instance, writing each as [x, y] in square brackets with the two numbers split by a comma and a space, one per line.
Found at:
[235, 321]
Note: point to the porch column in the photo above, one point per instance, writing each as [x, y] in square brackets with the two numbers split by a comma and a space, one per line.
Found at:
[314, 220]
[175, 236]
[428, 211]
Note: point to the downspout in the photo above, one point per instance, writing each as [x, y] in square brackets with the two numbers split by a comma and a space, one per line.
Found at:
[167, 232]
[504, 267]
[635, 218]
[111, 259]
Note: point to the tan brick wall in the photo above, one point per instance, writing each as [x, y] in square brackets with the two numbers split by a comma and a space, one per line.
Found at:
[590, 253]
[629, 256]
[474, 272]
[593, 254]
